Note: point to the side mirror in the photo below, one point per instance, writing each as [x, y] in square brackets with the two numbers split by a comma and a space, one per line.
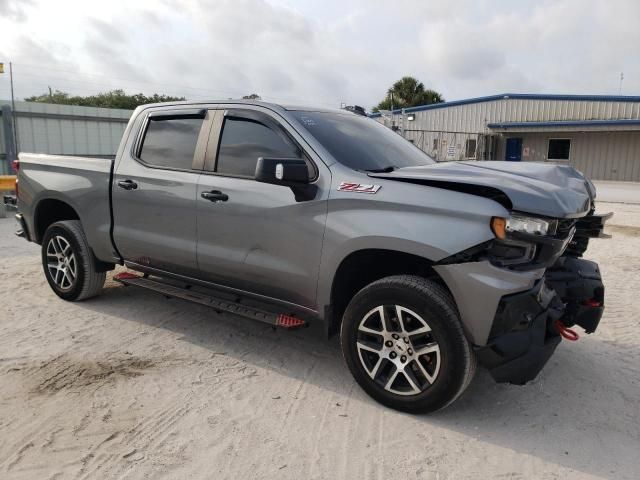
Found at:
[282, 171]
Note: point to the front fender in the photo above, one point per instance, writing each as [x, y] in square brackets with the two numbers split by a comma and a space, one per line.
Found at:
[429, 222]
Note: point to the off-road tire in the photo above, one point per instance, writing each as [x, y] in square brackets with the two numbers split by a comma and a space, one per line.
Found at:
[435, 306]
[87, 282]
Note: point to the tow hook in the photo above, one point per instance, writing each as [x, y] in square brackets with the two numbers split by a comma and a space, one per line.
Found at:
[565, 332]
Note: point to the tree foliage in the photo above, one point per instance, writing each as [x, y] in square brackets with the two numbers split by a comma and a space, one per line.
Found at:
[253, 96]
[408, 92]
[112, 99]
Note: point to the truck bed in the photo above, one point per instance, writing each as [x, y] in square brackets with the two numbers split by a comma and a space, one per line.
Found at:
[82, 182]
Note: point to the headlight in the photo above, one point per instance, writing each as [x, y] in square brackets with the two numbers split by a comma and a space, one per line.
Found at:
[521, 224]
[530, 225]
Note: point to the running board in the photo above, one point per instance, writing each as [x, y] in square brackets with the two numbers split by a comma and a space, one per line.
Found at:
[274, 319]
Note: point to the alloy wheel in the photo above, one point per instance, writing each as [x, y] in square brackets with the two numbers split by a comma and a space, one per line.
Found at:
[398, 350]
[61, 262]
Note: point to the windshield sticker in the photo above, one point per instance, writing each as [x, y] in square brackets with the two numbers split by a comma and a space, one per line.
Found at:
[358, 187]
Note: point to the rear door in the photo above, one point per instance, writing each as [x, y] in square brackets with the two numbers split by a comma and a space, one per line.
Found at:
[154, 191]
[257, 237]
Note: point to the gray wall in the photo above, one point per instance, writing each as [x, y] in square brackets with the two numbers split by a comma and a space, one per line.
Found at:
[66, 129]
[599, 155]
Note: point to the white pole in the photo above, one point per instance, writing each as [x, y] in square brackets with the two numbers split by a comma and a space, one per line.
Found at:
[13, 108]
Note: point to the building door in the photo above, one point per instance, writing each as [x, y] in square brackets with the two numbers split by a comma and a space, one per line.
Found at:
[513, 152]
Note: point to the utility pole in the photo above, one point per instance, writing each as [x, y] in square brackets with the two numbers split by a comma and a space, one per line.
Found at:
[393, 119]
[621, 79]
[13, 108]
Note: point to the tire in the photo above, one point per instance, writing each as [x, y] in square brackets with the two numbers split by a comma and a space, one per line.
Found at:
[438, 360]
[75, 278]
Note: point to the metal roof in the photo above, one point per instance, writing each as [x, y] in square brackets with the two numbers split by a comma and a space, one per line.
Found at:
[520, 96]
[564, 123]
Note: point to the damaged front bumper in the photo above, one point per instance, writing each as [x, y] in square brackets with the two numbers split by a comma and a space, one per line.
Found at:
[524, 335]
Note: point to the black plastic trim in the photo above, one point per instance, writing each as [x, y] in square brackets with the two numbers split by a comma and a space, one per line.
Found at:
[24, 231]
[522, 338]
[578, 283]
[178, 113]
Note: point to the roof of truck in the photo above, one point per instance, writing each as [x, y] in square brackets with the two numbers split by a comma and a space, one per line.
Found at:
[305, 108]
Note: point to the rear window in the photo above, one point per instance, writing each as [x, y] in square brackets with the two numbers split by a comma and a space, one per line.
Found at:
[170, 142]
[360, 142]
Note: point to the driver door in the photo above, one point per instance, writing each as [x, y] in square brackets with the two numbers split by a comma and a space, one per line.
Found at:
[256, 237]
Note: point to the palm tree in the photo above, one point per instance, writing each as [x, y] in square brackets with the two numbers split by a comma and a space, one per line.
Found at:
[408, 92]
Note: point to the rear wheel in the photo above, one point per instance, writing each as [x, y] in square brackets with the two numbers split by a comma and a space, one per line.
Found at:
[403, 341]
[68, 263]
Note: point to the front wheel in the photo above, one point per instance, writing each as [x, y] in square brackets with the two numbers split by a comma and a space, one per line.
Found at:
[68, 262]
[402, 339]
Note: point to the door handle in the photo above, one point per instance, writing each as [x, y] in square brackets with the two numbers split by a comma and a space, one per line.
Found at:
[215, 196]
[128, 184]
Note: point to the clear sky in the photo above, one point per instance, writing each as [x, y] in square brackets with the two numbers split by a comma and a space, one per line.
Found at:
[320, 52]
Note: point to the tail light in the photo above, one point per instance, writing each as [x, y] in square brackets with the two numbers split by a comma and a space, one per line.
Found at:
[16, 166]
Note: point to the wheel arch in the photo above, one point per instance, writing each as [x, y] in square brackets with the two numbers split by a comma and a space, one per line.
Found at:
[362, 267]
[49, 211]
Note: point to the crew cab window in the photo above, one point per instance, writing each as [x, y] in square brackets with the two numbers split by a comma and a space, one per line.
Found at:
[170, 142]
[244, 141]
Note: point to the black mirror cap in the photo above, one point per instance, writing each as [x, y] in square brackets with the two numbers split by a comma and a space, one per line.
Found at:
[282, 171]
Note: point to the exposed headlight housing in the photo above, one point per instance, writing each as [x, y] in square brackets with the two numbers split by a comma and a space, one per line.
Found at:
[522, 224]
[529, 225]
[523, 242]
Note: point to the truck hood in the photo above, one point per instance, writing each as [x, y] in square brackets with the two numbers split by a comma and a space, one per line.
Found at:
[558, 191]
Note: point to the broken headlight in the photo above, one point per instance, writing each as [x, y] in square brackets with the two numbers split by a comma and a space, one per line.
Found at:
[530, 225]
[523, 242]
[522, 224]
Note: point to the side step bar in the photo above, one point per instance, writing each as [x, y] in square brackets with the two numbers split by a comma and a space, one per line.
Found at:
[274, 319]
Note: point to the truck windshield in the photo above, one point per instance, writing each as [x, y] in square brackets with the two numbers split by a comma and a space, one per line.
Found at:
[361, 143]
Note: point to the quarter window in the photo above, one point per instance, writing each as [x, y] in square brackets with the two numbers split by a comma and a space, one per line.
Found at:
[244, 141]
[170, 142]
[559, 149]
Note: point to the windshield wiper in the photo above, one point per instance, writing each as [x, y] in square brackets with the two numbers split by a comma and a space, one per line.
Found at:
[388, 169]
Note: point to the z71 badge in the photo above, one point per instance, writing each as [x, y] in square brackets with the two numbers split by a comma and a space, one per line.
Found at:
[358, 187]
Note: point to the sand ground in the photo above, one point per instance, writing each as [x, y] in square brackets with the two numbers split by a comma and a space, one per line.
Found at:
[131, 385]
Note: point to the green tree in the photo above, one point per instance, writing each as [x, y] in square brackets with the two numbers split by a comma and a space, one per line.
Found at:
[253, 96]
[408, 92]
[112, 99]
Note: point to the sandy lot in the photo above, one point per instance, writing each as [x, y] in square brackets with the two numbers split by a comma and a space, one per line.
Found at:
[131, 385]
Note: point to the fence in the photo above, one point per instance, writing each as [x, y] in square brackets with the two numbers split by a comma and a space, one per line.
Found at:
[449, 146]
[59, 129]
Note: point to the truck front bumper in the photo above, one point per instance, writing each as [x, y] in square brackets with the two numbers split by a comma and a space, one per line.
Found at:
[524, 334]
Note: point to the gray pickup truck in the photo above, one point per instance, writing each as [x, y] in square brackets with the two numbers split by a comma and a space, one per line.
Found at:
[293, 215]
